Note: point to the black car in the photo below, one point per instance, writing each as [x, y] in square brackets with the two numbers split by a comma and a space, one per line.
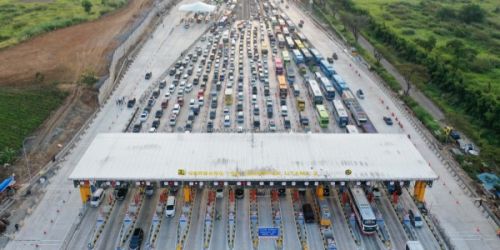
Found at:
[122, 192]
[308, 213]
[282, 192]
[136, 239]
[172, 72]
[156, 123]
[131, 103]
[137, 128]
[326, 191]
[212, 114]
[148, 75]
[240, 192]
[210, 126]
[159, 113]
[388, 120]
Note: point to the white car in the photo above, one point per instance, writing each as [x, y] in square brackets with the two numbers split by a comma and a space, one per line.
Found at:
[167, 96]
[176, 109]
[173, 120]
[144, 116]
[192, 103]
[201, 100]
[227, 121]
[219, 193]
[189, 87]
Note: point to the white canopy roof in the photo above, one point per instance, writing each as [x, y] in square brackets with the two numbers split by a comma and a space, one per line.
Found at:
[247, 157]
[197, 7]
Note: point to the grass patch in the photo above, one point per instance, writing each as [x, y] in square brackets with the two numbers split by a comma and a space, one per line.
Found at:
[23, 111]
[22, 20]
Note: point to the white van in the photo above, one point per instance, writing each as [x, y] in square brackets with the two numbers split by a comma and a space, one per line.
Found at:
[97, 197]
[170, 210]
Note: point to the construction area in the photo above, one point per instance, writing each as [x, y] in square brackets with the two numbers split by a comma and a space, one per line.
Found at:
[244, 125]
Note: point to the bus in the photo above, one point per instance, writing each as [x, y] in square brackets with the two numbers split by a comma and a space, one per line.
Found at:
[322, 116]
[414, 245]
[362, 210]
[281, 41]
[327, 68]
[299, 44]
[327, 87]
[282, 86]
[297, 56]
[290, 75]
[279, 65]
[289, 42]
[317, 56]
[286, 56]
[351, 129]
[315, 92]
[228, 94]
[307, 55]
[263, 48]
[340, 113]
[339, 84]
[357, 112]
[285, 31]
[301, 36]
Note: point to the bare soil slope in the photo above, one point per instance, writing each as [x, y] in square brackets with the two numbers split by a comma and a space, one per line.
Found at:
[64, 54]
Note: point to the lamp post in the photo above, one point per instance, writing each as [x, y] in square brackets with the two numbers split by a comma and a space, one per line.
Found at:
[26, 157]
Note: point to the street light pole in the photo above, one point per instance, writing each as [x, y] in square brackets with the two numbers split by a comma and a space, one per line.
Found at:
[26, 157]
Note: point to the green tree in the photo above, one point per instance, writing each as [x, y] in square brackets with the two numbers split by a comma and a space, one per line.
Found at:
[429, 44]
[471, 13]
[409, 72]
[354, 23]
[462, 55]
[445, 13]
[87, 6]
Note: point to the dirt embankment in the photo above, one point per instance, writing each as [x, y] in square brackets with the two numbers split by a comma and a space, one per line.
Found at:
[62, 56]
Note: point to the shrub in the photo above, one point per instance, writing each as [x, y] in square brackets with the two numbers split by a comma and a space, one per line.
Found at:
[471, 13]
[408, 32]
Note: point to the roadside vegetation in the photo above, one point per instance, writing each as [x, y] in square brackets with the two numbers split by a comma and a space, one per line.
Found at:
[21, 20]
[448, 49]
[23, 110]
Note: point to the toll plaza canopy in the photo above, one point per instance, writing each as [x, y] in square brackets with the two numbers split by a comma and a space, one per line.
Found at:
[252, 157]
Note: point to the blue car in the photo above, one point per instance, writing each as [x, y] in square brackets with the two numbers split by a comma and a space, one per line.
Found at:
[136, 240]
